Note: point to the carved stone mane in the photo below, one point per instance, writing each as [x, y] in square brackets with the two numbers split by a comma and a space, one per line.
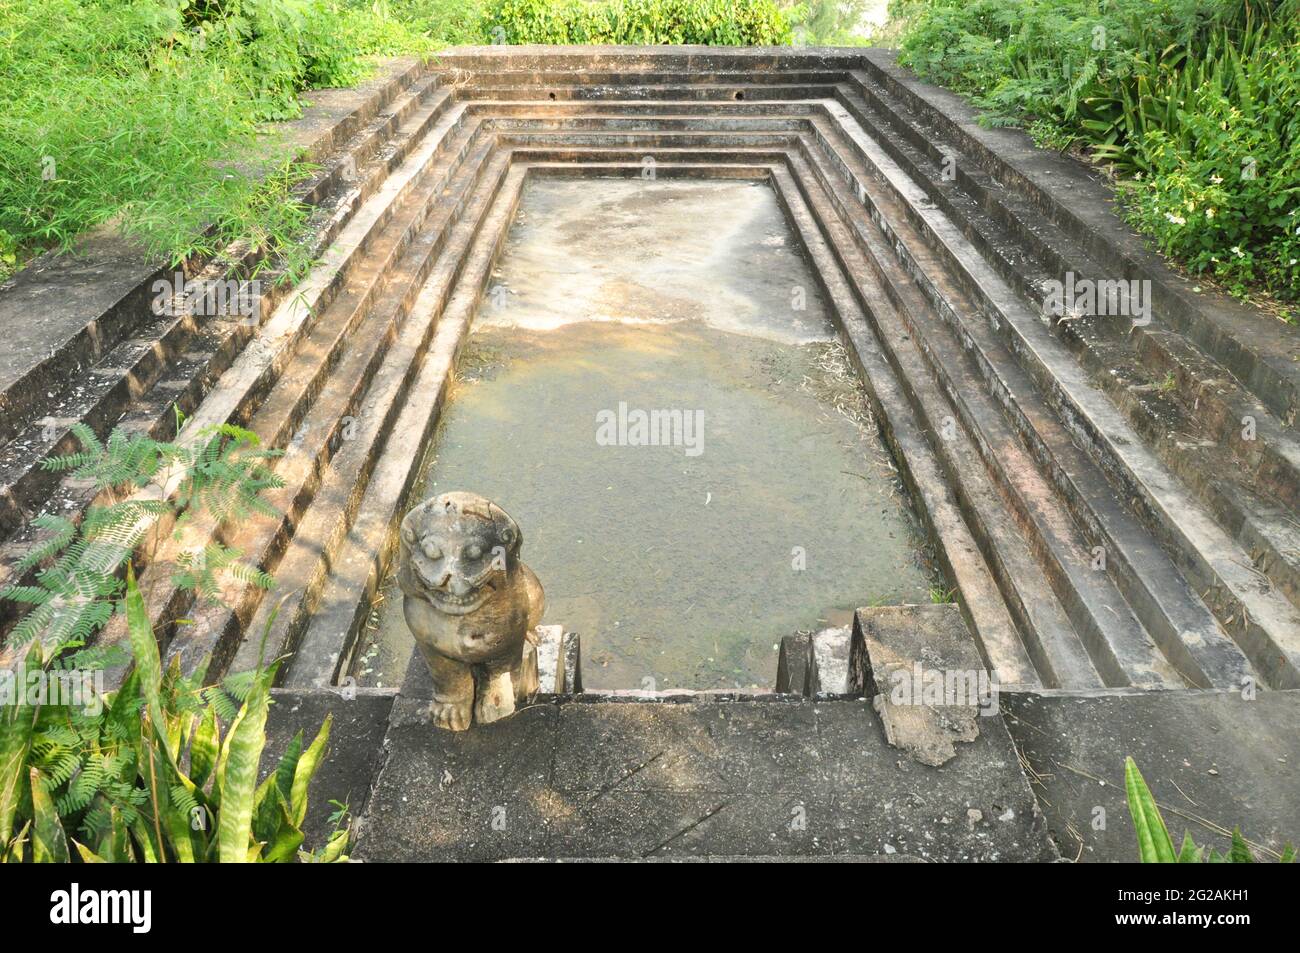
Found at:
[471, 604]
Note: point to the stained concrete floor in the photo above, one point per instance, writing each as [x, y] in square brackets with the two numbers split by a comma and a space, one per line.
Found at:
[781, 777]
[1214, 761]
[645, 780]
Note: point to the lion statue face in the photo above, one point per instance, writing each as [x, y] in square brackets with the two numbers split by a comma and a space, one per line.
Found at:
[457, 551]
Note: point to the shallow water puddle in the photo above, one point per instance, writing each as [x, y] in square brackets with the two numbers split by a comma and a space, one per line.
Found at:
[653, 390]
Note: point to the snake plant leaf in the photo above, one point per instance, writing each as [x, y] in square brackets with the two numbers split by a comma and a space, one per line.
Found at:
[333, 851]
[49, 842]
[284, 843]
[205, 747]
[181, 829]
[1189, 853]
[87, 855]
[239, 775]
[144, 837]
[115, 846]
[285, 770]
[306, 769]
[270, 809]
[1154, 843]
[13, 851]
[1239, 852]
[15, 740]
[147, 663]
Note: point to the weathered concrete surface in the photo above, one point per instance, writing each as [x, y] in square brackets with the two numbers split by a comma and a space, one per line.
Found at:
[354, 754]
[897, 651]
[1213, 760]
[639, 780]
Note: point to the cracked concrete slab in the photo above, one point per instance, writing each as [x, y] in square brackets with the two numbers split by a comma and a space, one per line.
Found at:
[704, 778]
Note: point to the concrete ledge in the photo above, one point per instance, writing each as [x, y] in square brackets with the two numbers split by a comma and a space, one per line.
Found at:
[643, 781]
[1213, 760]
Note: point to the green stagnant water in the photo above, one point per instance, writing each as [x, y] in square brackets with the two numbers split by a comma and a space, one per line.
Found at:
[680, 564]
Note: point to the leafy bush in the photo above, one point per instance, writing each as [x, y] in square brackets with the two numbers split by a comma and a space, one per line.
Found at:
[393, 27]
[148, 773]
[163, 768]
[1191, 101]
[717, 22]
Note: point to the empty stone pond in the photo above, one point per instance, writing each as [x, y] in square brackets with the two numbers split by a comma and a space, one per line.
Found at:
[654, 389]
[777, 407]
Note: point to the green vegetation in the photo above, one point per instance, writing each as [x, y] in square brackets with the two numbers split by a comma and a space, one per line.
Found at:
[159, 770]
[162, 768]
[1154, 843]
[1190, 102]
[718, 22]
[127, 111]
[161, 487]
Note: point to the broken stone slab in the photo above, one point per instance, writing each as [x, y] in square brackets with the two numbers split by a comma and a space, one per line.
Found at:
[923, 672]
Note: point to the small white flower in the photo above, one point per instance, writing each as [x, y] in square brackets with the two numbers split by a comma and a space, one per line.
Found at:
[1176, 219]
[1217, 180]
[1209, 213]
[1236, 250]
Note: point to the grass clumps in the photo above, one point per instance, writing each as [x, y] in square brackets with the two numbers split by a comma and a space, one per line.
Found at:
[129, 111]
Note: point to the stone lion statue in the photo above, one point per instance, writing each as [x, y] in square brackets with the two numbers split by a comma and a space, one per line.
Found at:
[471, 605]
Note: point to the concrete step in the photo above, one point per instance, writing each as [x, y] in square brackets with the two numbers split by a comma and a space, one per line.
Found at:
[313, 405]
[1258, 353]
[1202, 550]
[342, 533]
[271, 388]
[468, 63]
[1058, 654]
[1088, 597]
[522, 82]
[734, 92]
[1197, 424]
